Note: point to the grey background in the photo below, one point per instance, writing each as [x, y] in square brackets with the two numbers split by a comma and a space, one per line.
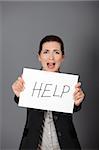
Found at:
[22, 25]
[0, 69]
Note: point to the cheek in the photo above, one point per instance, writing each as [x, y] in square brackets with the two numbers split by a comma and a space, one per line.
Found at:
[59, 59]
[58, 63]
[42, 58]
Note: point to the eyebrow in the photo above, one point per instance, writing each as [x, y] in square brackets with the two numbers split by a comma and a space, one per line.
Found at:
[57, 50]
[53, 50]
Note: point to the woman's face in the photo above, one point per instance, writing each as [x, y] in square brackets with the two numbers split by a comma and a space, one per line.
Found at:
[51, 56]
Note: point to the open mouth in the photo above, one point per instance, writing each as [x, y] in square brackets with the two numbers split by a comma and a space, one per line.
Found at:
[51, 65]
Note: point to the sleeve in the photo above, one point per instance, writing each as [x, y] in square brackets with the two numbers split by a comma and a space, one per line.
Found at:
[77, 108]
[16, 99]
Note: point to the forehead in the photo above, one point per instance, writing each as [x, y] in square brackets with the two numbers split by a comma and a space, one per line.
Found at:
[51, 45]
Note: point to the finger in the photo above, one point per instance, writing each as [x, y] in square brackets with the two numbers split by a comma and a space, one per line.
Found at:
[76, 91]
[79, 100]
[21, 79]
[77, 103]
[18, 89]
[79, 96]
[18, 85]
[78, 85]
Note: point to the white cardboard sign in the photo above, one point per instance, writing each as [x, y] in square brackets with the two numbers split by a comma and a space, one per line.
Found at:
[48, 90]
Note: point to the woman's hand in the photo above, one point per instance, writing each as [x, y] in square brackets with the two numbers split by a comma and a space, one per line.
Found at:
[78, 94]
[18, 86]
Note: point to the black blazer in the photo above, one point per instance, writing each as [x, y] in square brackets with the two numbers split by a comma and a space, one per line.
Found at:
[33, 130]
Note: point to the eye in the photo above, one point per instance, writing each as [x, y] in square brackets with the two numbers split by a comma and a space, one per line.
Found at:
[57, 52]
[45, 52]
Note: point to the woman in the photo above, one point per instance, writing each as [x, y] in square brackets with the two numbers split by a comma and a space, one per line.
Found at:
[48, 130]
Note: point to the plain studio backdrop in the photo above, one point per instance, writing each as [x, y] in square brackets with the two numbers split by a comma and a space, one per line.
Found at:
[22, 26]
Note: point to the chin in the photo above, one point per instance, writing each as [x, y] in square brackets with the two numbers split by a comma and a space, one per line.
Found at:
[53, 70]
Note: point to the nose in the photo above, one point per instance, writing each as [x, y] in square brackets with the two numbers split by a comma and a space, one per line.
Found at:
[51, 56]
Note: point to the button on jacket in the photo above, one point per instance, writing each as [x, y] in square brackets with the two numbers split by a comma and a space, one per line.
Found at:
[32, 135]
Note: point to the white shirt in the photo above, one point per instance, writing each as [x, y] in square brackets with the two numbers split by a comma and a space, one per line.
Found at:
[49, 139]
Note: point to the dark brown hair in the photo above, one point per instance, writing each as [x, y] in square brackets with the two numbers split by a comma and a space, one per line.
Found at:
[50, 38]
